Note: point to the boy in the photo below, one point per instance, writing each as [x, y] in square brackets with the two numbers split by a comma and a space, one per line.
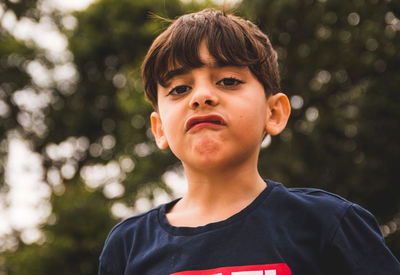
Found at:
[214, 84]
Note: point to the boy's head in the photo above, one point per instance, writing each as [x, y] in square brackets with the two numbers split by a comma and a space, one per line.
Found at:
[230, 40]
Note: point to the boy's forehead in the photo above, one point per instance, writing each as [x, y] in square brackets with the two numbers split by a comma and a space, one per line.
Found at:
[204, 58]
[204, 53]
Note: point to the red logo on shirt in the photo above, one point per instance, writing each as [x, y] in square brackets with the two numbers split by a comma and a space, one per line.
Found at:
[267, 269]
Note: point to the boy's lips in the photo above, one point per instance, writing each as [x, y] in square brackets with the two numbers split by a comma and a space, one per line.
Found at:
[207, 120]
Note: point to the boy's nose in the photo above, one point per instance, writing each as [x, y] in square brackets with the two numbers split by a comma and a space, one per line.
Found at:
[203, 98]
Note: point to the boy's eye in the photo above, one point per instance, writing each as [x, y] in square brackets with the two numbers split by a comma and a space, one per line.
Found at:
[179, 90]
[229, 82]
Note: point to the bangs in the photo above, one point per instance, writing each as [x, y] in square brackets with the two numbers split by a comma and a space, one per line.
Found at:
[226, 43]
[230, 40]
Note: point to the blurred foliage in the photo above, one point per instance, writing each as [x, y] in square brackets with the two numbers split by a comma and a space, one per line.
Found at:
[339, 66]
[22, 8]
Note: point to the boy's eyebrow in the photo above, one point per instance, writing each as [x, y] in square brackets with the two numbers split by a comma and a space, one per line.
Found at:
[183, 70]
[171, 74]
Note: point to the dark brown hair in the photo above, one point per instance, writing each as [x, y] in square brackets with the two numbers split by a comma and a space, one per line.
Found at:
[231, 40]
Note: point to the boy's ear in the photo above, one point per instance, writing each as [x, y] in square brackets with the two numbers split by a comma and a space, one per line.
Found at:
[158, 131]
[278, 113]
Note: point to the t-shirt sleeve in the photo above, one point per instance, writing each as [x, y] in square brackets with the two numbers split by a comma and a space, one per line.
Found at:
[111, 260]
[103, 269]
[357, 246]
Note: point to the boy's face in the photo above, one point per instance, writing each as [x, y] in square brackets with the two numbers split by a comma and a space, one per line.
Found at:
[212, 117]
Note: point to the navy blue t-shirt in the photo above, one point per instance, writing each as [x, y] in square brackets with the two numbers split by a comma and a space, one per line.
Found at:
[283, 231]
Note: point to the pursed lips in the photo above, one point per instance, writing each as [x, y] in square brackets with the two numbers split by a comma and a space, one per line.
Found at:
[204, 121]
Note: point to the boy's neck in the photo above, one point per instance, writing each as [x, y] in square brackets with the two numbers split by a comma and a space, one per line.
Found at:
[214, 197]
[207, 189]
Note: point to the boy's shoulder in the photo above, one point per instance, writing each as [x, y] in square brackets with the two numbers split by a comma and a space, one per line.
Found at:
[115, 248]
[134, 223]
[321, 213]
[309, 197]
[315, 204]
